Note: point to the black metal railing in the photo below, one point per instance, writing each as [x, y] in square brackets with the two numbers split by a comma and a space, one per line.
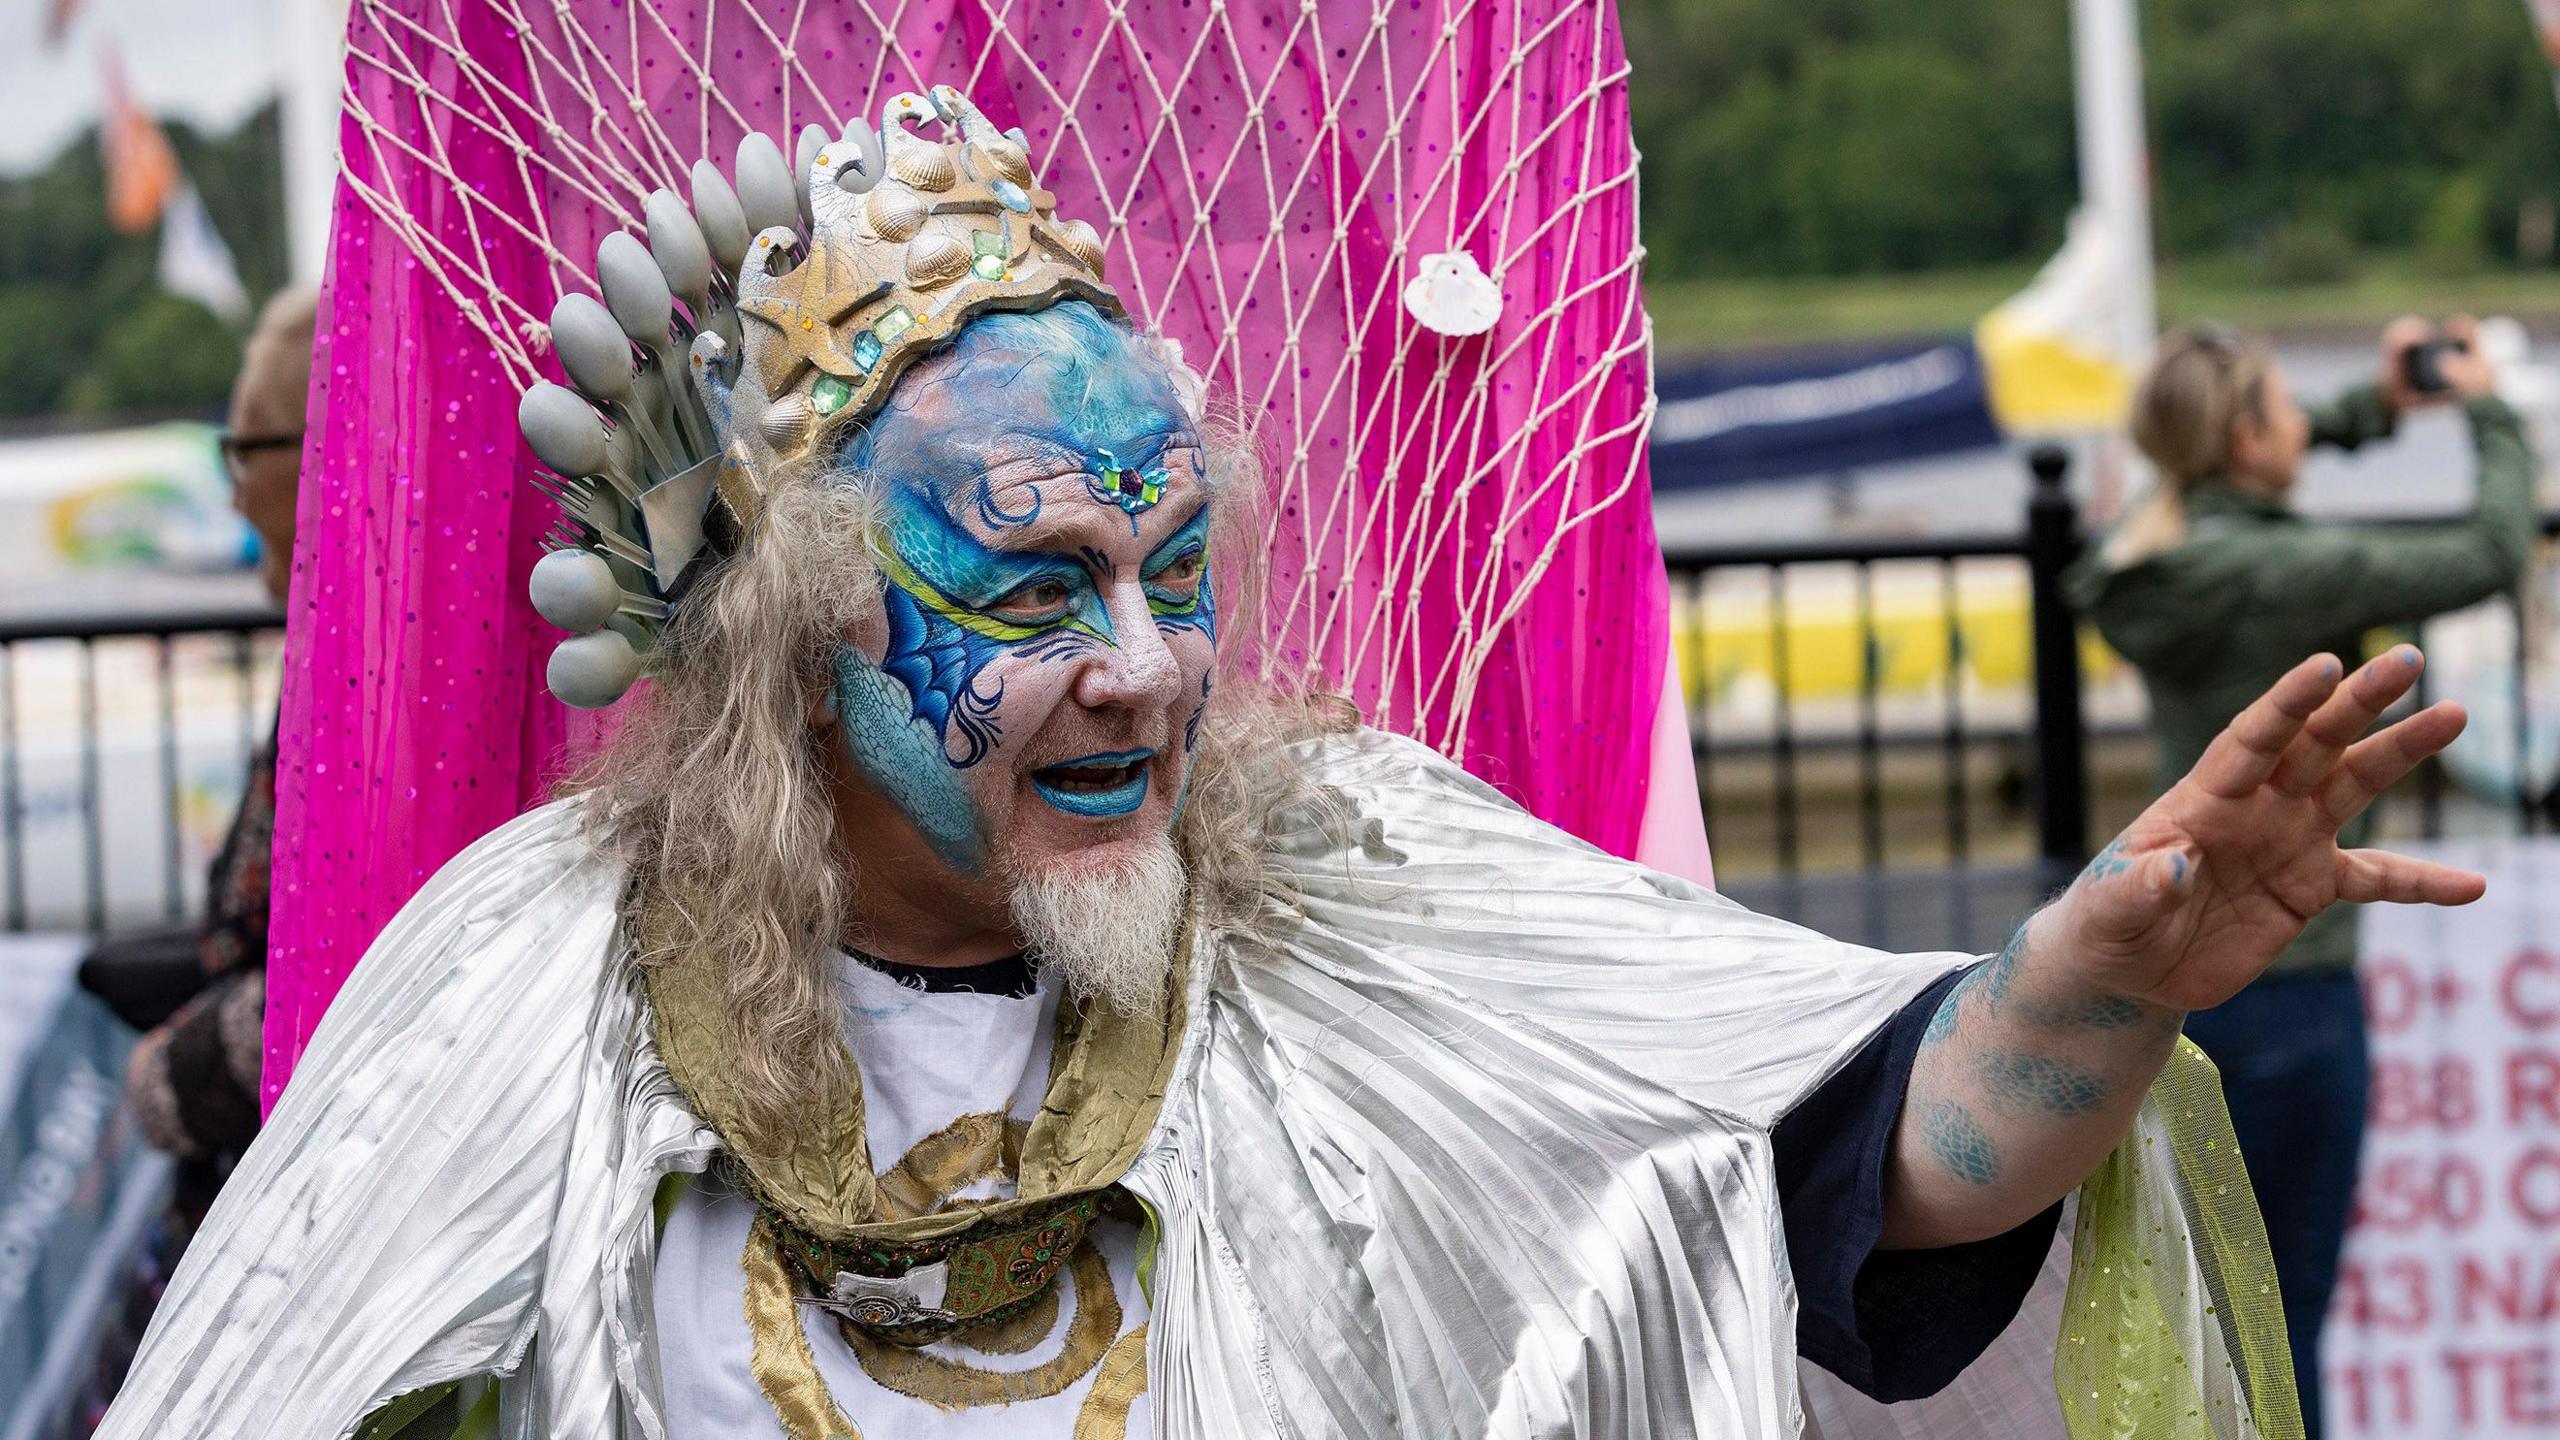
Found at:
[2001, 787]
[95, 834]
[1968, 739]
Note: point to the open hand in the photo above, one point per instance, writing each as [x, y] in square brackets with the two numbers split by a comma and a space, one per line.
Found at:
[2198, 895]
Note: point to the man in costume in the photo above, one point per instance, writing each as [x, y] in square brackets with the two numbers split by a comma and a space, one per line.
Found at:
[965, 1000]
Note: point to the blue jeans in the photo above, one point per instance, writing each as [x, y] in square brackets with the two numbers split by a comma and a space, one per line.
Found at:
[2291, 1049]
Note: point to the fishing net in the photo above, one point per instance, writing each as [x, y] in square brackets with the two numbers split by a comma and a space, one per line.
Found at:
[1459, 525]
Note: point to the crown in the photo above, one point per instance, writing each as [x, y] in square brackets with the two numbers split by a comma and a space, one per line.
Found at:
[909, 239]
[803, 298]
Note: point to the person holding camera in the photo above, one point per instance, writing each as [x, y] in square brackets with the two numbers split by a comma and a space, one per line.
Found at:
[2213, 587]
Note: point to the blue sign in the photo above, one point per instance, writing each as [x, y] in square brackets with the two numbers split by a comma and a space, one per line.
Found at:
[1774, 416]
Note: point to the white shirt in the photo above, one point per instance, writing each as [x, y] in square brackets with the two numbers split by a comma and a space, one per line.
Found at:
[929, 1061]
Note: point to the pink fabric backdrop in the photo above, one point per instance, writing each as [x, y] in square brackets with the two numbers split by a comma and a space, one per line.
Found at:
[1320, 152]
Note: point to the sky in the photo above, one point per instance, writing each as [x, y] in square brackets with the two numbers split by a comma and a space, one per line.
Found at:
[208, 62]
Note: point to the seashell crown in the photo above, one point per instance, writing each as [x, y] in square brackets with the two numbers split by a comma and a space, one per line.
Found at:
[905, 247]
[804, 298]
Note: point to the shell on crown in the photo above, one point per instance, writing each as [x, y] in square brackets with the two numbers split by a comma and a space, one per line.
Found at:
[656, 457]
[909, 239]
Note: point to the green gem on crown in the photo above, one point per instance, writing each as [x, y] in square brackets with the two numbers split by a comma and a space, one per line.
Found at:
[829, 395]
[989, 262]
[897, 322]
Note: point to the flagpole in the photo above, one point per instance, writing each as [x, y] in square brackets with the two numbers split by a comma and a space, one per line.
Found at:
[2115, 187]
[2115, 160]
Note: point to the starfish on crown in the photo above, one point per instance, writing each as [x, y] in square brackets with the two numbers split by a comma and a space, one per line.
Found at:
[910, 238]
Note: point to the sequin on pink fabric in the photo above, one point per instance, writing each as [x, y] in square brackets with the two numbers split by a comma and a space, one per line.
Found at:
[1324, 148]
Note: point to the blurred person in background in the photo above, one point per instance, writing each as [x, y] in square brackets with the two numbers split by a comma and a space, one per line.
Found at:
[2213, 587]
[199, 993]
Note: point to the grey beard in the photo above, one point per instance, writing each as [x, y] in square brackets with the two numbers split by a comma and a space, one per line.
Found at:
[1106, 932]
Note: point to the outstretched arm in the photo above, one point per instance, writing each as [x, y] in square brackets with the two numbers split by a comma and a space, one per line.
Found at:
[2034, 1067]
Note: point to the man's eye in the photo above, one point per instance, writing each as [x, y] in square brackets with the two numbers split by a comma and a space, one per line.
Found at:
[1181, 577]
[1039, 600]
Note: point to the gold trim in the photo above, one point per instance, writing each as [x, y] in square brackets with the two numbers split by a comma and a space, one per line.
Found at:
[948, 1384]
[1107, 1078]
[1105, 1413]
[782, 1363]
[969, 1149]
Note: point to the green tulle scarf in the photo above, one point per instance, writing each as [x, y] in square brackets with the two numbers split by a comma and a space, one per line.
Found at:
[2172, 1327]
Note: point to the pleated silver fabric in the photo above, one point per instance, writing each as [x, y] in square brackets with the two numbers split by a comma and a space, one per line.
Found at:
[1469, 1137]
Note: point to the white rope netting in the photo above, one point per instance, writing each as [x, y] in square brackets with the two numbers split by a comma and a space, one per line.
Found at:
[1266, 177]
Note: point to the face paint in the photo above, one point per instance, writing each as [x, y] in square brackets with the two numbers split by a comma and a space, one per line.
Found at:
[1042, 645]
[1177, 581]
[889, 740]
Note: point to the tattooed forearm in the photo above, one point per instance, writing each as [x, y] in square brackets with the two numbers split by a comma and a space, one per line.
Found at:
[1959, 1143]
[1996, 982]
[2043, 1083]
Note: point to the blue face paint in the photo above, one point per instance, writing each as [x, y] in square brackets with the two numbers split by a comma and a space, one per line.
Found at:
[1120, 799]
[888, 739]
[1191, 605]
[1038, 398]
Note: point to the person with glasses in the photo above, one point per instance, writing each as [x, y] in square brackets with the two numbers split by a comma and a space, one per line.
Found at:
[2214, 586]
[199, 992]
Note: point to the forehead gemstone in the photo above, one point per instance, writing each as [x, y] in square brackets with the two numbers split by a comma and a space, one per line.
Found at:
[866, 350]
[828, 395]
[1010, 196]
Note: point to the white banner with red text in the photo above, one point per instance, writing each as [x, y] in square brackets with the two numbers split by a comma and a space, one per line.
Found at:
[2447, 1316]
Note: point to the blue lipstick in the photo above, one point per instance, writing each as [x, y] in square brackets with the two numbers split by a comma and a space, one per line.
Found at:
[1099, 804]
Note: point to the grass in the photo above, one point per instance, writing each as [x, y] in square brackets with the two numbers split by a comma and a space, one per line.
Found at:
[1695, 316]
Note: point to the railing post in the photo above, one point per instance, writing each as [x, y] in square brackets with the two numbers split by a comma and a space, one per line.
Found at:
[2062, 737]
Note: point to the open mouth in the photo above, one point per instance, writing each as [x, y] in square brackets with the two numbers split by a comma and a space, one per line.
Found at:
[1096, 785]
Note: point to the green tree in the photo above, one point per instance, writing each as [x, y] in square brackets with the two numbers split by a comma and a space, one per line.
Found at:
[1841, 136]
[84, 327]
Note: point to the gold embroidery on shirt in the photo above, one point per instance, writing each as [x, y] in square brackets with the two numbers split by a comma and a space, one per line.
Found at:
[969, 1149]
[781, 1362]
[1105, 1413]
[950, 1384]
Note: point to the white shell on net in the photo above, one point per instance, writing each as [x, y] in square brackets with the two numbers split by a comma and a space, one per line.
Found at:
[592, 671]
[634, 288]
[724, 225]
[936, 258]
[813, 139]
[591, 347]
[574, 589]
[677, 244]
[766, 194]
[1453, 296]
[564, 432]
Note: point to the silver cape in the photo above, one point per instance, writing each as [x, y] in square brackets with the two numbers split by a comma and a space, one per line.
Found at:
[1469, 1136]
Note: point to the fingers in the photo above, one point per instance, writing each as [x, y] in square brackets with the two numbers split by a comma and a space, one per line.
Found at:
[2369, 875]
[2375, 764]
[2246, 752]
[2342, 720]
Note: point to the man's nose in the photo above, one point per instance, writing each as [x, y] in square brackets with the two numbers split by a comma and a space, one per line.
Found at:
[1137, 670]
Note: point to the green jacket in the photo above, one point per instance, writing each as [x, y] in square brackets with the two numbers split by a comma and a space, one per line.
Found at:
[2255, 588]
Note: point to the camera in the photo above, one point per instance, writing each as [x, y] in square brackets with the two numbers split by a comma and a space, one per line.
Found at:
[2422, 364]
